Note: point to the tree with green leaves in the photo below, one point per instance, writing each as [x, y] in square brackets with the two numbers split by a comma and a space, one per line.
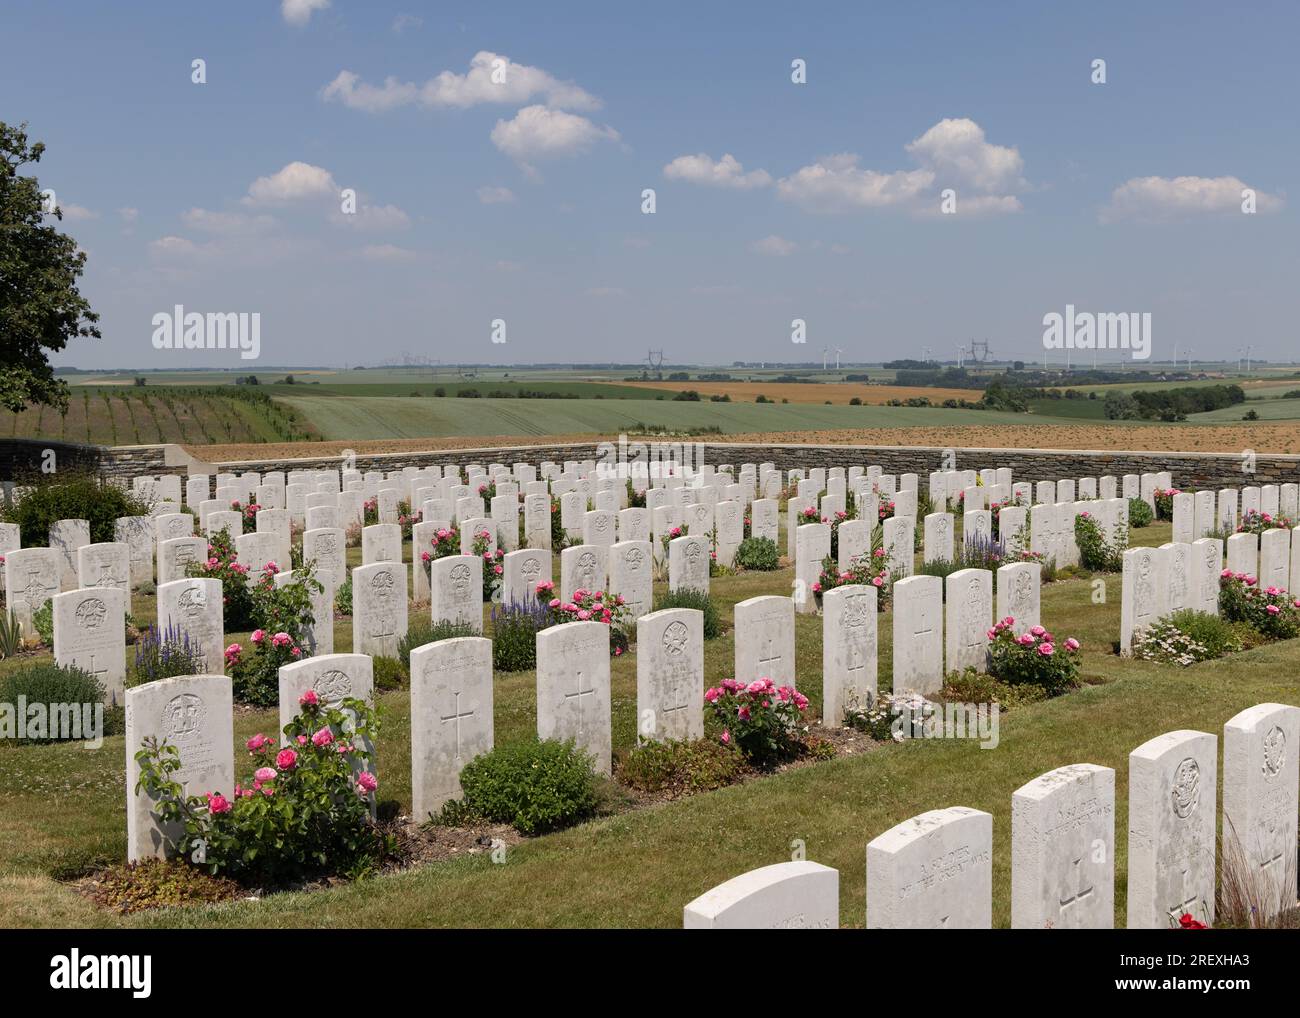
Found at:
[40, 305]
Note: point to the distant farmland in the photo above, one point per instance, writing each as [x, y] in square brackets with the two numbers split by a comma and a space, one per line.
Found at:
[378, 417]
[141, 416]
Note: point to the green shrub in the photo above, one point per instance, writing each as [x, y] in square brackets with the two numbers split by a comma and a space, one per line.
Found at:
[758, 553]
[680, 768]
[78, 498]
[43, 622]
[697, 600]
[424, 631]
[975, 686]
[391, 673]
[1139, 513]
[514, 635]
[343, 598]
[48, 684]
[162, 655]
[535, 786]
[1218, 636]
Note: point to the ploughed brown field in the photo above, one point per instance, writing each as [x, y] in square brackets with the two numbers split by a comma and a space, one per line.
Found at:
[1261, 437]
[812, 392]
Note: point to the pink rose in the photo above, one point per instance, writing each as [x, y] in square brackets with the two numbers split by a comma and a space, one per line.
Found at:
[218, 803]
[264, 774]
[726, 736]
[1072, 644]
[308, 699]
[258, 636]
[286, 759]
[322, 738]
[1046, 649]
[1037, 630]
[366, 782]
[257, 742]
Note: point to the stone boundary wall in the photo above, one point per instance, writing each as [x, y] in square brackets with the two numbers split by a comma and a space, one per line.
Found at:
[1189, 470]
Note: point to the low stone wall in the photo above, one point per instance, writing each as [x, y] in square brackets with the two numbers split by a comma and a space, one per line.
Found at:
[1189, 470]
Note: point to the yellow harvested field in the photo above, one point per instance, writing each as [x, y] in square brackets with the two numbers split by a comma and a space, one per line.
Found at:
[812, 392]
[1262, 437]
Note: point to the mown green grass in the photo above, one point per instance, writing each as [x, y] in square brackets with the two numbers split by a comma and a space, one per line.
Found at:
[61, 808]
[1267, 409]
[378, 417]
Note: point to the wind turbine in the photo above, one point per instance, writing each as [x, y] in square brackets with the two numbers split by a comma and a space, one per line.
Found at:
[838, 351]
[825, 351]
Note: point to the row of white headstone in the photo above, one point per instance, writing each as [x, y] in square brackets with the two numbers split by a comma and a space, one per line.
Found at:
[934, 871]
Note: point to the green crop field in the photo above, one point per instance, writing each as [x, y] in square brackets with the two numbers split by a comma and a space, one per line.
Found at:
[376, 417]
[1268, 410]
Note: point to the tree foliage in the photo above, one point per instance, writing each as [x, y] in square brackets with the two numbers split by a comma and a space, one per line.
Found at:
[40, 305]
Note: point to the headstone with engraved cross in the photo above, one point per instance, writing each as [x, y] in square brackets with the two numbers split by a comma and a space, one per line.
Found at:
[90, 634]
[670, 674]
[573, 694]
[765, 640]
[451, 717]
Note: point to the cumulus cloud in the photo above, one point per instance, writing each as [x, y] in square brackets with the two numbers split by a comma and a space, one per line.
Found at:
[954, 153]
[539, 132]
[1152, 199]
[299, 12]
[295, 182]
[774, 245]
[495, 195]
[491, 78]
[726, 172]
[172, 246]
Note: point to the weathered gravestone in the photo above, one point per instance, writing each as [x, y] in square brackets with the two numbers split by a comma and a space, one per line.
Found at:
[849, 645]
[1145, 589]
[1063, 850]
[573, 693]
[90, 634]
[66, 536]
[1019, 595]
[933, 871]
[194, 714]
[455, 590]
[799, 895]
[522, 571]
[1260, 802]
[107, 564]
[379, 608]
[1171, 828]
[688, 563]
[765, 640]
[631, 576]
[192, 607]
[451, 717]
[918, 634]
[968, 615]
[333, 677]
[670, 674]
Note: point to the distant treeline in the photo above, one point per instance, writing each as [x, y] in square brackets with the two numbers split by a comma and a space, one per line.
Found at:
[1170, 404]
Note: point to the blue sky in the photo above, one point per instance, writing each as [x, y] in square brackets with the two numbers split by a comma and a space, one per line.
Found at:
[521, 200]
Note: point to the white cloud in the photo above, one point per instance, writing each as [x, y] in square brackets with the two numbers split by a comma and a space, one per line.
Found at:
[495, 195]
[955, 150]
[404, 21]
[952, 154]
[774, 245]
[491, 78]
[128, 214]
[226, 223]
[836, 183]
[1150, 199]
[77, 213]
[373, 218]
[172, 246]
[299, 12]
[538, 132]
[294, 182]
[387, 253]
[726, 172]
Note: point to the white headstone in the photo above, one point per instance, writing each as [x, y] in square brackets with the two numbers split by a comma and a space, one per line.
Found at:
[934, 871]
[451, 717]
[192, 607]
[918, 634]
[849, 647]
[670, 674]
[799, 895]
[90, 634]
[379, 608]
[573, 692]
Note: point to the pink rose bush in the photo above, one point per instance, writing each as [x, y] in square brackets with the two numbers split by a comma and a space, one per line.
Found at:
[306, 812]
[869, 570]
[1271, 611]
[588, 606]
[761, 719]
[1255, 522]
[1034, 657]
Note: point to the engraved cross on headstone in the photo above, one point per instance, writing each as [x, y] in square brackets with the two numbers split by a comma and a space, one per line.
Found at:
[1080, 891]
[456, 716]
[577, 695]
